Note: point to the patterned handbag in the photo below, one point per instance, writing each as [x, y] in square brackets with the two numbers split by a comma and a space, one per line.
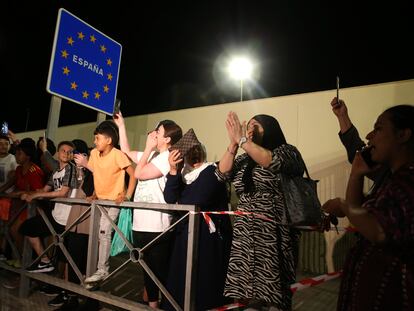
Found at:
[188, 141]
[301, 199]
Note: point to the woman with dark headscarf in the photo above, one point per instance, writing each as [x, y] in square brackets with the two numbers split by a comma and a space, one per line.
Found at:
[262, 259]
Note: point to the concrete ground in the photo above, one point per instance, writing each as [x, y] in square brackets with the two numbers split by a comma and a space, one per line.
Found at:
[129, 284]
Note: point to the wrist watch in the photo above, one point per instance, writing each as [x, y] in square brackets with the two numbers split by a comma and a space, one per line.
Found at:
[242, 140]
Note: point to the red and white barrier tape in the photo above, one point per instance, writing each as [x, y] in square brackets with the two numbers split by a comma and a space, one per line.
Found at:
[210, 223]
[228, 307]
[305, 283]
[212, 227]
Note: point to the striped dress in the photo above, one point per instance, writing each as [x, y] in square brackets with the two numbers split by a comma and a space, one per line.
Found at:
[262, 259]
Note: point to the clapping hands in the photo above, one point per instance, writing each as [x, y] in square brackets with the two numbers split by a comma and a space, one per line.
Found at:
[235, 129]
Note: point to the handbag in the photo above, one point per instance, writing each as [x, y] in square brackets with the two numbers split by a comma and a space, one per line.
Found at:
[302, 204]
[125, 225]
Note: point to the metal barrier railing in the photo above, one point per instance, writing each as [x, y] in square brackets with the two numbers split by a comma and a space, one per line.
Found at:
[94, 210]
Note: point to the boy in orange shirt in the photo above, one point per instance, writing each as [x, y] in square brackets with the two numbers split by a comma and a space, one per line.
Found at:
[108, 165]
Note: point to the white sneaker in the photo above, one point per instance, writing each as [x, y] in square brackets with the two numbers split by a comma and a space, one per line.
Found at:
[99, 275]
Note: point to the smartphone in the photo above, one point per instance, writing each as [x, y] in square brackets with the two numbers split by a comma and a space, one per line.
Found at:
[366, 155]
[337, 89]
[5, 128]
[117, 105]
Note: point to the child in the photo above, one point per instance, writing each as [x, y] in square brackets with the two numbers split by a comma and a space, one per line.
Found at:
[60, 185]
[108, 165]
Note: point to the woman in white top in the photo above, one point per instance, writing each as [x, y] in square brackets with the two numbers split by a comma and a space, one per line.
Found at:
[152, 168]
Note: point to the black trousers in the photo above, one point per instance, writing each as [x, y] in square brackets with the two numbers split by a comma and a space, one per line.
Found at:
[77, 245]
[157, 258]
[36, 227]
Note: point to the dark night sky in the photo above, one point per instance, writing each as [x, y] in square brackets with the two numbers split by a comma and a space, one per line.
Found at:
[172, 50]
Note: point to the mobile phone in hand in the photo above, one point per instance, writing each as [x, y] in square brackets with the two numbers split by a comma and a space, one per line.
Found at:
[117, 106]
[366, 155]
[5, 128]
[337, 89]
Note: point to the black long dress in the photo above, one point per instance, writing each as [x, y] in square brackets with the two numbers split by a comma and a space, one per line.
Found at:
[214, 248]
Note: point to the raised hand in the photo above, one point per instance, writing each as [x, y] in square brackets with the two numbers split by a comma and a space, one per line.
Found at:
[119, 119]
[360, 167]
[339, 108]
[174, 158]
[43, 144]
[235, 129]
[151, 142]
[81, 160]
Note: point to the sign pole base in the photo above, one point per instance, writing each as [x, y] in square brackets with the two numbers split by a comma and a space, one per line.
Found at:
[53, 119]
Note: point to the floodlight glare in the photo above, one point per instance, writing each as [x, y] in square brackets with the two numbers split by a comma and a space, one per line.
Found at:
[240, 68]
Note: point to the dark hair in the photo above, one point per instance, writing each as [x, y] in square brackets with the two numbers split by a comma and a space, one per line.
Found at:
[50, 146]
[273, 137]
[28, 146]
[81, 146]
[196, 154]
[402, 117]
[2, 136]
[172, 130]
[108, 128]
[67, 143]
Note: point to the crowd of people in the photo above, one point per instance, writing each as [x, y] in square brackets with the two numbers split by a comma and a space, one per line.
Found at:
[252, 260]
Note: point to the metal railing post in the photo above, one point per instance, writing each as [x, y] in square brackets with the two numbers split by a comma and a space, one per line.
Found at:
[24, 286]
[192, 261]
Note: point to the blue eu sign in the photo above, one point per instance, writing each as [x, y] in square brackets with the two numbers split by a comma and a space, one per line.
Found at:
[84, 67]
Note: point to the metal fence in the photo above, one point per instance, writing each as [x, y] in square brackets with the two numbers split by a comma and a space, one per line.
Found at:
[94, 210]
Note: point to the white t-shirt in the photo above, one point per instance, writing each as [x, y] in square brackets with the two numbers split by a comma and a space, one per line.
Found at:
[63, 177]
[7, 164]
[151, 191]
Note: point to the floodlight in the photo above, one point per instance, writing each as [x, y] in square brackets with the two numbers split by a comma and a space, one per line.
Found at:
[240, 68]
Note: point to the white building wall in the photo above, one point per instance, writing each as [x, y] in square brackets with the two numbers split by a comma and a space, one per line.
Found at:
[306, 119]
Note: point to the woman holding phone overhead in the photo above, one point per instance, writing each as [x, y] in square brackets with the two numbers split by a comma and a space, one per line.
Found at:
[379, 270]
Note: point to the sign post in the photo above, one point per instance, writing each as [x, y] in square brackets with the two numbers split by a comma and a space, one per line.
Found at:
[84, 67]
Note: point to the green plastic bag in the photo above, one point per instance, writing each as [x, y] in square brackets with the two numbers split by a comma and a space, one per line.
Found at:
[125, 225]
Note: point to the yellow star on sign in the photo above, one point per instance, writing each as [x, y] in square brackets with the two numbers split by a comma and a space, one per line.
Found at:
[92, 38]
[66, 70]
[81, 35]
[64, 54]
[73, 86]
[85, 94]
[103, 48]
[70, 41]
[106, 88]
[109, 62]
[109, 76]
[97, 95]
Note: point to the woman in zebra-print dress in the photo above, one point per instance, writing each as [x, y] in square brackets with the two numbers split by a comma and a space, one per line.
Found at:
[263, 254]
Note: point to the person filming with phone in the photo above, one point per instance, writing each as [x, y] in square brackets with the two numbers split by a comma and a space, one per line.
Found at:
[350, 138]
[379, 271]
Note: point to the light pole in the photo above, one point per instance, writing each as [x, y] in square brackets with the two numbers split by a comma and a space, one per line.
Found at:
[240, 68]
